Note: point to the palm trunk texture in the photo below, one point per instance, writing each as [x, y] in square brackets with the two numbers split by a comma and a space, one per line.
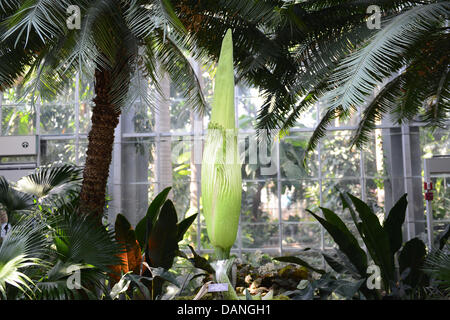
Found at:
[100, 146]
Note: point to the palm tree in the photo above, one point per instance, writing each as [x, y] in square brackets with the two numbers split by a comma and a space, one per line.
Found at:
[342, 62]
[37, 46]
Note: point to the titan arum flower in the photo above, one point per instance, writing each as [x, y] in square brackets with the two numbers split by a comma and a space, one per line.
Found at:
[221, 168]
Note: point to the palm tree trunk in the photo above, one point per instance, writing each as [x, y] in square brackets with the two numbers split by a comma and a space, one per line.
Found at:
[100, 145]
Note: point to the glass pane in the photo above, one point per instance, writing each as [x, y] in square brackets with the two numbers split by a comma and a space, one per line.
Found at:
[18, 120]
[375, 195]
[441, 198]
[57, 118]
[57, 151]
[85, 115]
[260, 235]
[301, 235]
[181, 158]
[259, 201]
[292, 152]
[259, 159]
[138, 159]
[248, 104]
[435, 142]
[297, 196]
[330, 195]
[338, 161]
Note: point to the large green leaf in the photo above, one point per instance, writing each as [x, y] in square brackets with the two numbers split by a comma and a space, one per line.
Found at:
[200, 262]
[412, 256]
[184, 225]
[334, 219]
[347, 203]
[376, 239]
[145, 226]
[163, 241]
[297, 260]
[130, 255]
[346, 242]
[341, 264]
[393, 223]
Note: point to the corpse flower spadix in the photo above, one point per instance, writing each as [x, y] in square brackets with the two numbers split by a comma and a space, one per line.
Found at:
[221, 167]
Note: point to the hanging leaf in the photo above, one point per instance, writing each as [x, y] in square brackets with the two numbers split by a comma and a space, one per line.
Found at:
[200, 262]
[296, 260]
[376, 239]
[130, 255]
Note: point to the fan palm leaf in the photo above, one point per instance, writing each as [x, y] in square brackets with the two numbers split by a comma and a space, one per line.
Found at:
[25, 246]
[53, 182]
[13, 200]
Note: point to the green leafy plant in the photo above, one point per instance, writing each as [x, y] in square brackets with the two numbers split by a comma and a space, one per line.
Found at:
[149, 250]
[23, 247]
[80, 245]
[40, 257]
[383, 242]
[46, 189]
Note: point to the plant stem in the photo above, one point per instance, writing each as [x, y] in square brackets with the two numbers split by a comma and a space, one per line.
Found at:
[222, 254]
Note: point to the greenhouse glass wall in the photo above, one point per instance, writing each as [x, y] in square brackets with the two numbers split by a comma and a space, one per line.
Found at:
[159, 146]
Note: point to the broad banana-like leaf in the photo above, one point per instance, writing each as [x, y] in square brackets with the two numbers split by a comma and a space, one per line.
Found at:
[394, 222]
[345, 240]
[412, 256]
[376, 239]
[184, 225]
[130, 254]
[162, 245]
[221, 168]
[145, 226]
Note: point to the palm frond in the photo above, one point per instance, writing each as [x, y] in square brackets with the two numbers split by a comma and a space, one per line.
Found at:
[53, 184]
[383, 102]
[23, 247]
[12, 199]
[46, 18]
[437, 265]
[357, 75]
[320, 131]
[79, 239]
[169, 52]
[54, 284]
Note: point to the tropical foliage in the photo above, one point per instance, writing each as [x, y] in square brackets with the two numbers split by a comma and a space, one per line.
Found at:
[400, 70]
[403, 272]
[149, 250]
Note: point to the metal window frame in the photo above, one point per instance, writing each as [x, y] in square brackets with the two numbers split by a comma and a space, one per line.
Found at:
[240, 249]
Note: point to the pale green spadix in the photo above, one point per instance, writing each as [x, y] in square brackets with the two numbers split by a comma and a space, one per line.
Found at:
[221, 167]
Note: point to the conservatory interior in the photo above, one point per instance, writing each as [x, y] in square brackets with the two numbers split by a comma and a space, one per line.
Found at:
[304, 213]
